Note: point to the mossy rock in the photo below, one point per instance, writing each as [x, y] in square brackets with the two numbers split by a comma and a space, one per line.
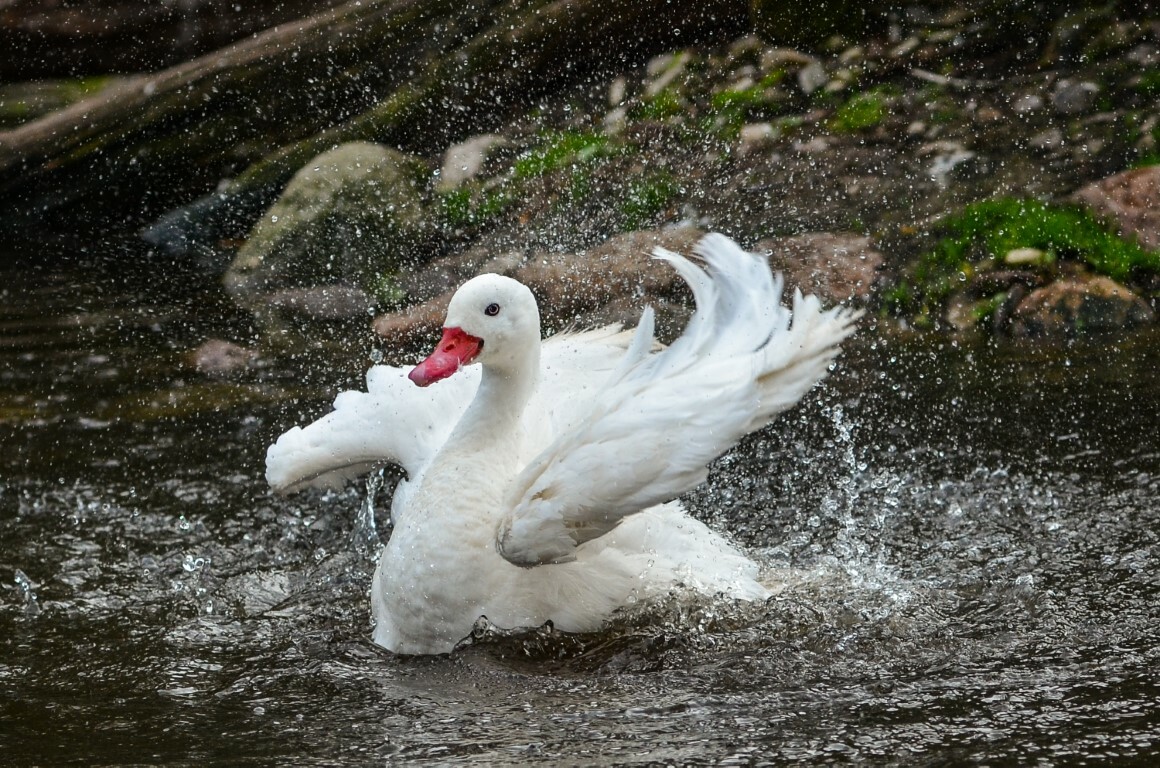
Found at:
[1080, 305]
[996, 236]
[351, 216]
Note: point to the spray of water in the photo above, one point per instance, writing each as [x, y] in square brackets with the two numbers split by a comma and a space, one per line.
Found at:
[26, 587]
[365, 539]
[860, 503]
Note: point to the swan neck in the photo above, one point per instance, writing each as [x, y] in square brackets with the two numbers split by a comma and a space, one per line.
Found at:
[494, 413]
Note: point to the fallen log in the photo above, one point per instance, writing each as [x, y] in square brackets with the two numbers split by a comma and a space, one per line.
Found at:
[410, 73]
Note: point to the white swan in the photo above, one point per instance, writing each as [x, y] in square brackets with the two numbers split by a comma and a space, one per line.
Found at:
[541, 480]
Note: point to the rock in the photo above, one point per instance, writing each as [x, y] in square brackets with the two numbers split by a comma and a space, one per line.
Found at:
[753, 136]
[1001, 317]
[570, 287]
[1022, 256]
[785, 58]
[664, 70]
[615, 121]
[1132, 199]
[1027, 103]
[813, 146]
[413, 325]
[617, 90]
[464, 160]
[811, 77]
[219, 358]
[988, 282]
[962, 313]
[835, 266]
[1072, 98]
[906, 47]
[350, 217]
[946, 159]
[323, 302]
[1079, 305]
[1047, 140]
[610, 283]
[1144, 55]
[412, 74]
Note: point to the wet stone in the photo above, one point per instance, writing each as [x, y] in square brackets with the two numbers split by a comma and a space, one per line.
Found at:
[1027, 103]
[608, 283]
[1048, 140]
[220, 358]
[464, 161]
[1132, 199]
[1078, 305]
[753, 136]
[996, 281]
[812, 77]
[413, 324]
[324, 302]
[1074, 97]
[835, 266]
[349, 216]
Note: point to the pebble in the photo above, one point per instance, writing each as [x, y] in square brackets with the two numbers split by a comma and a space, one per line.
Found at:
[1072, 97]
[1050, 139]
[463, 161]
[1027, 103]
[1020, 256]
[812, 77]
[754, 135]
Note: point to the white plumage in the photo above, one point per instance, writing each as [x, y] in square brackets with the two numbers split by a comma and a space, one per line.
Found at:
[541, 481]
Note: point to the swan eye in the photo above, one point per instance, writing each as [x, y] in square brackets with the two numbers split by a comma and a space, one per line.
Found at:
[491, 310]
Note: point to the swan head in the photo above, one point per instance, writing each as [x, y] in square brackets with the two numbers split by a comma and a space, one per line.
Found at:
[491, 320]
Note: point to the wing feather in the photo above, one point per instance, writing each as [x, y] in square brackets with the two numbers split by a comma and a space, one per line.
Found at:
[650, 433]
[392, 422]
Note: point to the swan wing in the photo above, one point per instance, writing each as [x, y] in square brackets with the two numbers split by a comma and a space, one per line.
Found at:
[392, 422]
[574, 367]
[648, 435]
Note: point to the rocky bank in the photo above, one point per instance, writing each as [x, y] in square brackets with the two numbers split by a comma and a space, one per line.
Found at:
[954, 171]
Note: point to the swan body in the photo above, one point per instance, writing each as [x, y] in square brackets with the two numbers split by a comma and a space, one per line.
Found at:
[541, 476]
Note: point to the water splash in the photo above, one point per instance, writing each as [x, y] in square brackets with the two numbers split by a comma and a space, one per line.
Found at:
[365, 539]
[28, 596]
[860, 504]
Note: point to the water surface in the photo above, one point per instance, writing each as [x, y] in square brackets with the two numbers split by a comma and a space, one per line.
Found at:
[967, 529]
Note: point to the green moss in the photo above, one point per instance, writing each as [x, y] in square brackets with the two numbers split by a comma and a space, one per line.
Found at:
[1149, 156]
[645, 198]
[468, 206]
[558, 149]
[1004, 224]
[1149, 83]
[580, 184]
[1146, 159]
[756, 96]
[386, 290]
[494, 202]
[455, 208]
[730, 109]
[986, 308]
[984, 232]
[860, 113]
[662, 106]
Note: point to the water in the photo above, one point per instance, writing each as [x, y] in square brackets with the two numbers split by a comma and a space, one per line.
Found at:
[968, 534]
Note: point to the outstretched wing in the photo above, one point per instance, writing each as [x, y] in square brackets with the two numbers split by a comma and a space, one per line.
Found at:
[393, 422]
[661, 418]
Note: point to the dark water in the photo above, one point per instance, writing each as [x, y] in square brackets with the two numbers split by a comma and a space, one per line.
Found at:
[968, 533]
